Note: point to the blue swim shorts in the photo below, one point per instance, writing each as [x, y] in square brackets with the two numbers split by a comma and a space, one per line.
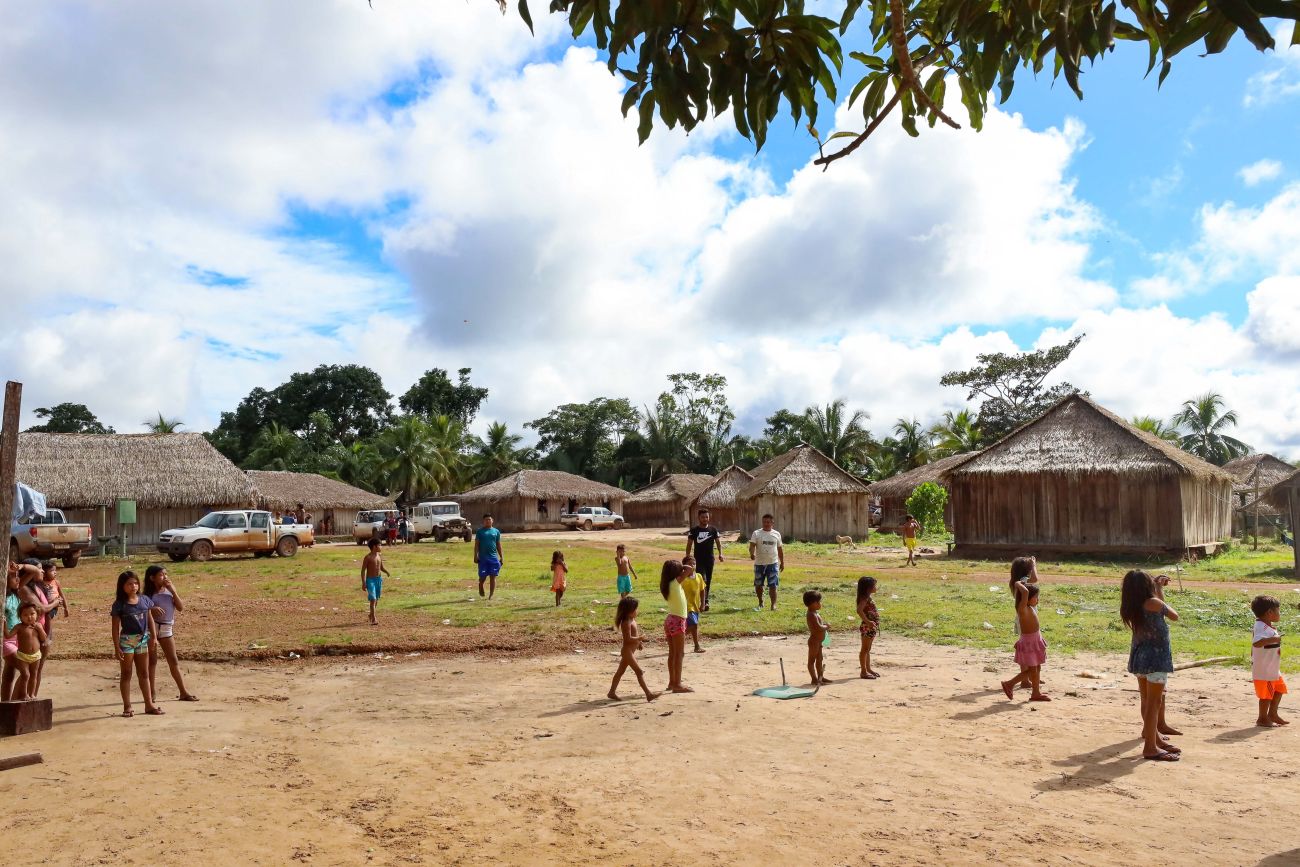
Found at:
[625, 584]
[769, 574]
[693, 618]
[374, 588]
[488, 566]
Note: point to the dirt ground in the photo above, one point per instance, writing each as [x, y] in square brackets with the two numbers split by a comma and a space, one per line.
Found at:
[467, 759]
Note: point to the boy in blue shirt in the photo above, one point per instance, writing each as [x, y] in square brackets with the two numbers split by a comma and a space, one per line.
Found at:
[488, 555]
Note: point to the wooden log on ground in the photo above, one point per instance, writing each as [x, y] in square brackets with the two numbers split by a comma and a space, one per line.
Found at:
[25, 717]
[21, 761]
[1183, 666]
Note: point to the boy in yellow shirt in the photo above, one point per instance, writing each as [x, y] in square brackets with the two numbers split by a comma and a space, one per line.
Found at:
[693, 584]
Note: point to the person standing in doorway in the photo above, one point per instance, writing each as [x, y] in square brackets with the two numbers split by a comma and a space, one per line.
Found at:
[700, 543]
[768, 554]
[489, 555]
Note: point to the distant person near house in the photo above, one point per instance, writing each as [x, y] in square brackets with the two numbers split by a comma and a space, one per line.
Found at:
[488, 555]
[909, 530]
[700, 543]
[768, 554]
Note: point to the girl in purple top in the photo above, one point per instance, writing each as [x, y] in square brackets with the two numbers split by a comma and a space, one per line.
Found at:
[166, 602]
[131, 640]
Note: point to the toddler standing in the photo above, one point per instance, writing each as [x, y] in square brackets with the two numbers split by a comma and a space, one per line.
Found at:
[818, 632]
[1266, 660]
[559, 576]
[693, 584]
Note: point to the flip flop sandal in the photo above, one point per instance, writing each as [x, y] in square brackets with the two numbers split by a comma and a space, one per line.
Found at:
[1161, 757]
[155, 712]
[189, 698]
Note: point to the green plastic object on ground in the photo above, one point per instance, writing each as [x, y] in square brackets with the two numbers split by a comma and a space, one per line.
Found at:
[785, 691]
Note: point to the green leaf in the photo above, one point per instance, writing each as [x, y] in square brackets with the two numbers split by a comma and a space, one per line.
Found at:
[1165, 67]
[647, 111]
[843, 135]
[526, 15]
[1240, 13]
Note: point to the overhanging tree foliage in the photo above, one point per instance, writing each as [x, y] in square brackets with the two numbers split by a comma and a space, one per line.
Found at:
[685, 59]
[69, 418]
[1012, 386]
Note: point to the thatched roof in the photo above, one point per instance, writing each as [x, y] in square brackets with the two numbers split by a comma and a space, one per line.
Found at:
[802, 470]
[542, 484]
[178, 470]
[674, 486]
[1279, 495]
[1077, 436]
[284, 490]
[1261, 470]
[902, 484]
[721, 492]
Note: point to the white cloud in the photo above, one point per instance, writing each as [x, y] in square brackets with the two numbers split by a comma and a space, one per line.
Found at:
[1258, 172]
[1274, 318]
[1281, 80]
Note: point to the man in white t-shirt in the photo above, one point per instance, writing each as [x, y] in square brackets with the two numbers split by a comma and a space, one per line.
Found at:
[766, 551]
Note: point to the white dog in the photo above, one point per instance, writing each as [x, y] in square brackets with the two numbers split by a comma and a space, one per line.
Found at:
[846, 541]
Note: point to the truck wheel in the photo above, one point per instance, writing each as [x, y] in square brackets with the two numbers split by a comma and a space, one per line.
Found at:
[586, 525]
[71, 559]
[439, 536]
[178, 558]
[618, 525]
[257, 555]
[465, 537]
[287, 547]
[201, 551]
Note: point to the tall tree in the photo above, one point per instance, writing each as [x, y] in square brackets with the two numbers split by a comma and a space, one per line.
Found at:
[665, 437]
[840, 435]
[684, 61]
[912, 443]
[956, 434]
[163, 425]
[69, 418]
[1204, 423]
[357, 464]
[418, 457]
[1152, 425]
[1012, 386]
[498, 455]
[582, 437]
[434, 394]
[692, 419]
[275, 448]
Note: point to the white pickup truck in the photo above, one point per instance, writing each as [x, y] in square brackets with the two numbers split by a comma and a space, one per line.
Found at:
[440, 519]
[48, 536]
[592, 518]
[237, 531]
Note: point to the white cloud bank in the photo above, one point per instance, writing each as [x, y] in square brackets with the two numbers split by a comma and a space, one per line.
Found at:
[1258, 172]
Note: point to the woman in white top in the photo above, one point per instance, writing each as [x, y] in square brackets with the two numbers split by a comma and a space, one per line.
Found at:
[159, 587]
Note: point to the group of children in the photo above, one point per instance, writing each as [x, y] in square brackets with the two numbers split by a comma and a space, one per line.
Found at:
[33, 598]
[143, 617]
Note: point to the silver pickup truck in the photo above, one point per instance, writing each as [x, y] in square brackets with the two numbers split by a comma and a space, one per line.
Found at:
[592, 518]
[49, 536]
[236, 531]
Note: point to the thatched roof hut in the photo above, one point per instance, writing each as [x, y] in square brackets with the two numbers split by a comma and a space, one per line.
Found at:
[719, 497]
[1251, 472]
[1285, 497]
[332, 504]
[665, 502]
[174, 479]
[534, 499]
[894, 491]
[811, 497]
[1081, 478]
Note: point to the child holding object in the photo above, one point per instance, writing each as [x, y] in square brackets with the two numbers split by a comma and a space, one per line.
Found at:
[625, 620]
[1031, 648]
[1142, 608]
[670, 585]
[818, 632]
[1024, 570]
[870, 625]
[693, 584]
[131, 640]
[1266, 660]
[559, 576]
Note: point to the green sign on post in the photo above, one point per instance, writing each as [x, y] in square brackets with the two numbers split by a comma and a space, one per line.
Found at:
[125, 517]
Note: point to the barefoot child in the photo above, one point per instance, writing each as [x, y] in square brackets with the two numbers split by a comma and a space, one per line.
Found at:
[166, 603]
[625, 571]
[30, 637]
[559, 576]
[817, 633]
[625, 620]
[1142, 608]
[869, 627]
[1266, 660]
[693, 584]
[131, 640]
[1024, 570]
[670, 585]
[908, 530]
[371, 582]
[1031, 649]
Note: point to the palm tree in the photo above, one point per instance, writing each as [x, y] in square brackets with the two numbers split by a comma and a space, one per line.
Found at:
[956, 434]
[843, 440]
[498, 455]
[914, 444]
[883, 461]
[665, 439]
[1156, 427]
[163, 425]
[357, 464]
[408, 458]
[1204, 421]
[275, 448]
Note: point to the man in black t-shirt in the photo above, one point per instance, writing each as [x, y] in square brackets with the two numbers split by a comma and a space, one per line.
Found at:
[700, 543]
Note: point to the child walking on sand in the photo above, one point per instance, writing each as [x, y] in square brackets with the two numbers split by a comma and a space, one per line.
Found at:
[371, 581]
[1024, 570]
[131, 640]
[1031, 648]
[693, 584]
[818, 632]
[30, 637]
[1266, 660]
[670, 585]
[625, 571]
[559, 576]
[625, 620]
[909, 530]
[1142, 608]
[870, 625]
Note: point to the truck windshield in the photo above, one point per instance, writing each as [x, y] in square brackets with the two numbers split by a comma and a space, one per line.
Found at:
[213, 521]
[446, 510]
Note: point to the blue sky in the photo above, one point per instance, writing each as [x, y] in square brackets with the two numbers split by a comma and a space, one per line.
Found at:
[425, 185]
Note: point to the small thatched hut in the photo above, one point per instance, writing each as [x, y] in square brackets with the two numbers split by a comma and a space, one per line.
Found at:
[812, 499]
[324, 498]
[720, 498]
[174, 479]
[1255, 473]
[1080, 478]
[1285, 497]
[665, 502]
[894, 491]
[534, 499]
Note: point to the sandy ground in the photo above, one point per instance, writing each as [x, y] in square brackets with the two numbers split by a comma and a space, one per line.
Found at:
[476, 760]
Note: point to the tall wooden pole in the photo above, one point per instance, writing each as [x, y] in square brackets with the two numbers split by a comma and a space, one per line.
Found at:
[9, 462]
[1295, 523]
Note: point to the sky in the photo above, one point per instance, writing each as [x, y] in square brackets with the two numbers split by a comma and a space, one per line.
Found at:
[204, 198]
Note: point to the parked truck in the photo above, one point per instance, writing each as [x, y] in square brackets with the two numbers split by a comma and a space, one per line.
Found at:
[592, 518]
[49, 536]
[236, 531]
[440, 519]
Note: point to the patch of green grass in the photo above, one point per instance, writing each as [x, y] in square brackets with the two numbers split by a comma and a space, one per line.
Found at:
[328, 639]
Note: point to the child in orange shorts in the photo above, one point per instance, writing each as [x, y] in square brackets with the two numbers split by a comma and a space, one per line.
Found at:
[1266, 660]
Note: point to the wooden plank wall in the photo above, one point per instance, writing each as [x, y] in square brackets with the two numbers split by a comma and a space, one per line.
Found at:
[1207, 511]
[668, 513]
[810, 517]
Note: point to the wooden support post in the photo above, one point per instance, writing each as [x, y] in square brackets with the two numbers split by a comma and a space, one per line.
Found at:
[9, 461]
[25, 717]
[21, 761]
[1295, 522]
